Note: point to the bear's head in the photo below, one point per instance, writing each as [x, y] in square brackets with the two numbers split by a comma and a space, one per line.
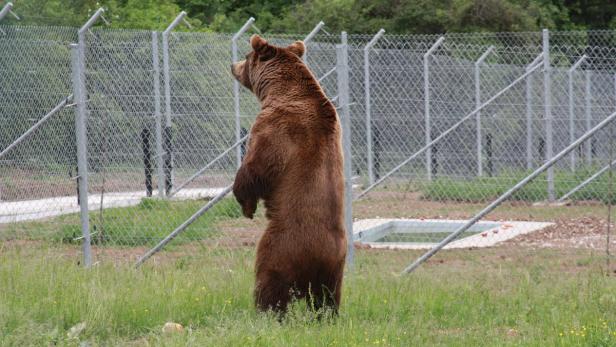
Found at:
[266, 63]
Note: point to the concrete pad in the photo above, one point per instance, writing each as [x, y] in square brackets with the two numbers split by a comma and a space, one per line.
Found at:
[491, 232]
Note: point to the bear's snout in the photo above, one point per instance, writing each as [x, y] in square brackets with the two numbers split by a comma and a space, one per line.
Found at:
[240, 73]
[233, 70]
[237, 70]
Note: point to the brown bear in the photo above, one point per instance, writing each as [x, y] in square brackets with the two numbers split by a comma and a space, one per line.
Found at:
[294, 163]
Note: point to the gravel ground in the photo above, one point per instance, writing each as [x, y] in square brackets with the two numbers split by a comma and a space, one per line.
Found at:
[585, 232]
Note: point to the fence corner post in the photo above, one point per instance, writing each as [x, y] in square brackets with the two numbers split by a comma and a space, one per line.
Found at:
[342, 70]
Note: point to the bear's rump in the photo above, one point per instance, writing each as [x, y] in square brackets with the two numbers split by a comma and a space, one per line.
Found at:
[300, 252]
[300, 275]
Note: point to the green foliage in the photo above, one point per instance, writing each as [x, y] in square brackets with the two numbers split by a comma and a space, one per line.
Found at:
[135, 14]
[354, 16]
[141, 14]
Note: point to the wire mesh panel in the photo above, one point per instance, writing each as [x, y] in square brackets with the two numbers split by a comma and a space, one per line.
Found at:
[202, 108]
[396, 74]
[37, 165]
[140, 116]
[120, 131]
[507, 135]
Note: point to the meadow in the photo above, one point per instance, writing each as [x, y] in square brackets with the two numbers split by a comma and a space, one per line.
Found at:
[506, 296]
[515, 294]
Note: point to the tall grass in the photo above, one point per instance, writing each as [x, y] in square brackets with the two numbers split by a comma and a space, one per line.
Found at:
[473, 298]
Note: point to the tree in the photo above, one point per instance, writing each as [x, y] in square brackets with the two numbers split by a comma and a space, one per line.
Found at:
[354, 16]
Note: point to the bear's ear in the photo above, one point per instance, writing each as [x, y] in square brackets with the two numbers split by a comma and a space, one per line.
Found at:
[263, 49]
[298, 48]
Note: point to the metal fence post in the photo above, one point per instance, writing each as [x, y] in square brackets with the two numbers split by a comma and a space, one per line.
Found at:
[236, 88]
[158, 117]
[81, 134]
[168, 131]
[548, 111]
[588, 113]
[342, 69]
[570, 93]
[426, 70]
[367, 102]
[82, 155]
[477, 72]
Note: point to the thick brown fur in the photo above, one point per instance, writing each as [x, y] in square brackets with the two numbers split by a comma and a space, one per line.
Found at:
[294, 164]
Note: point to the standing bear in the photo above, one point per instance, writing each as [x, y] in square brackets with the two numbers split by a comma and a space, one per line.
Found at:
[294, 163]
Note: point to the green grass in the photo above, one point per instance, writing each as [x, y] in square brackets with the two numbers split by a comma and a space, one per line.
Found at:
[493, 297]
[482, 189]
[144, 224]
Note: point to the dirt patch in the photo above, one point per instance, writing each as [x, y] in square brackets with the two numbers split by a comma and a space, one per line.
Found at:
[585, 232]
[389, 204]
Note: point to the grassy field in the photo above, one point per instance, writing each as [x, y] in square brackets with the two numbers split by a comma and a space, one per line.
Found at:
[509, 295]
[500, 296]
[144, 224]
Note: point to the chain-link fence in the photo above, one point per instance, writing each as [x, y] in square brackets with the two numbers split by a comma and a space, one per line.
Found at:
[37, 175]
[452, 121]
[507, 136]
